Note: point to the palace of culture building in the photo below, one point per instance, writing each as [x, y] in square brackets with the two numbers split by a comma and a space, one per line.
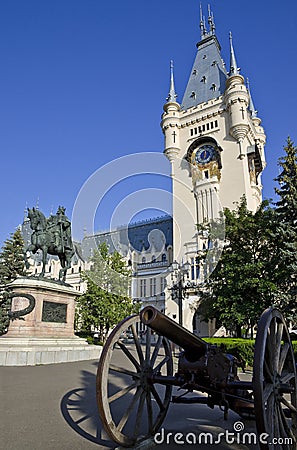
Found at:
[214, 142]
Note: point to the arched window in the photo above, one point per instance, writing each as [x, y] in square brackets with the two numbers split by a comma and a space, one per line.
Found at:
[164, 257]
[153, 259]
[143, 260]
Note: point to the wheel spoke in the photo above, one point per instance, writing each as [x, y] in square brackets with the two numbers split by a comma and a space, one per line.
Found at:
[148, 345]
[284, 423]
[156, 351]
[283, 355]
[270, 414]
[137, 344]
[129, 355]
[157, 397]
[122, 370]
[139, 413]
[278, 339]
[287, 377]
[125, 417]
[267, 392]
[149, 412]
[288, 404]
[161, 363]
[276, 421]
[268, 373]
[269, 351]
[122, 392]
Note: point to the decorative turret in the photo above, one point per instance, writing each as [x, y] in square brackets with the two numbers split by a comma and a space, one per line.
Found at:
[203, 31]
[237, 101]
[234, 70]
[172, 94]
[251, 103]
[211, 23]
[170, 121]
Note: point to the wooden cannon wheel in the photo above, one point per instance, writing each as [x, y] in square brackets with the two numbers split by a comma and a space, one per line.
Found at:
[274, 383]
[131, 407]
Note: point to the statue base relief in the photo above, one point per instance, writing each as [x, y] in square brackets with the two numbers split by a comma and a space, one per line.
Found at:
[46, 334]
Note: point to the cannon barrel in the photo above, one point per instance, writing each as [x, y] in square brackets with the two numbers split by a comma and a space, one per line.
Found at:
[163, 325]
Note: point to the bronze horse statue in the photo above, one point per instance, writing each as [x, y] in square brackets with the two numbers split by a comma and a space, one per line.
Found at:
[52, 236]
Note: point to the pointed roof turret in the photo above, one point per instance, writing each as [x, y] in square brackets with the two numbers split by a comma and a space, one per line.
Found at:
[208, 77]
[251, 103]
[211, 23]
[234, 69]
[203, 31]
[172, 94]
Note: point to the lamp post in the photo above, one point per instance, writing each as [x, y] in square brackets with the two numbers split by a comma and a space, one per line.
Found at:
[179, 290]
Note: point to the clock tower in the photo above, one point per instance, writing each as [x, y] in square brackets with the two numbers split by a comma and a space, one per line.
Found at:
[215, 144]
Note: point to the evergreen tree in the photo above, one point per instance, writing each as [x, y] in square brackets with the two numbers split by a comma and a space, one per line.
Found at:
[106, 300]
[12, 258]
[286, 227]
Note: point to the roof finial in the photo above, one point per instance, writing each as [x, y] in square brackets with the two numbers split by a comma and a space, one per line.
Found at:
[202, 24]
[211, 23]
[234, 70]
[251, 103]
[172, 95]
[26, 212]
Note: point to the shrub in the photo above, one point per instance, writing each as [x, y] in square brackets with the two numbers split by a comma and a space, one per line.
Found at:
[242, 349]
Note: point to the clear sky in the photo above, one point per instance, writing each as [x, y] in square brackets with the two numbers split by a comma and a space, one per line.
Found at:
[83, 82]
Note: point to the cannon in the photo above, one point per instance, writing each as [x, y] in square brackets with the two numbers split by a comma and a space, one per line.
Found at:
[136, 376]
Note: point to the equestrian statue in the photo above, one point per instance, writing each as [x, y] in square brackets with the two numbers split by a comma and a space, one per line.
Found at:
[52, 235]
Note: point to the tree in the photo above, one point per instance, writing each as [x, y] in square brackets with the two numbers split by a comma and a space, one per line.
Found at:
[12, 262]
[286, 227]
[243, 282]
[106, 300]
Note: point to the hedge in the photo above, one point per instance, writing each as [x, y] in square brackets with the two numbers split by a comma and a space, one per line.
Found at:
[243, 349]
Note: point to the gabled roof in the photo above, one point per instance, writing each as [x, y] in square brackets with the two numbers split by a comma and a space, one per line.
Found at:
[208, 77]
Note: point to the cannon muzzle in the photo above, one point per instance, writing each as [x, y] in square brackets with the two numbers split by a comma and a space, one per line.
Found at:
[163, 325]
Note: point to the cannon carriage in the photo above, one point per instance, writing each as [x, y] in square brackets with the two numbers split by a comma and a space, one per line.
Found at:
[134, 394]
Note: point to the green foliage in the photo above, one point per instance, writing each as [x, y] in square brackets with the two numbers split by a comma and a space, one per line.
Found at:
[12, 258]
[5, 306]
[258, 265]
[12, 264]
[242, 349]
[285, 232]
[105, 302]
[242, 284]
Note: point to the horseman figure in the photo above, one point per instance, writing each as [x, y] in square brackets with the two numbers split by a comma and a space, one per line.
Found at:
[60, 227]
[52, 236]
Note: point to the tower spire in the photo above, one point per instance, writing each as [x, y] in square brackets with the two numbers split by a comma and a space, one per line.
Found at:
[172, 94]
[211, 23]
[251, 103]
[203, 31]
[234, 69]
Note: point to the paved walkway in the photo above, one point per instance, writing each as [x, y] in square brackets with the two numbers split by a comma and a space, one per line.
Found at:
[53, 407]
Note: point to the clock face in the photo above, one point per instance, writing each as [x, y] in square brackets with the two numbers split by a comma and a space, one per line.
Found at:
[205, 154]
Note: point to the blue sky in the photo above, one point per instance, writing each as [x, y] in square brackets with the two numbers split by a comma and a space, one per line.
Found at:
[83, 82]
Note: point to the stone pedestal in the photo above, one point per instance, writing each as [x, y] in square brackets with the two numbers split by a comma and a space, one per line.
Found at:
[46, 334]
[53, 315]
